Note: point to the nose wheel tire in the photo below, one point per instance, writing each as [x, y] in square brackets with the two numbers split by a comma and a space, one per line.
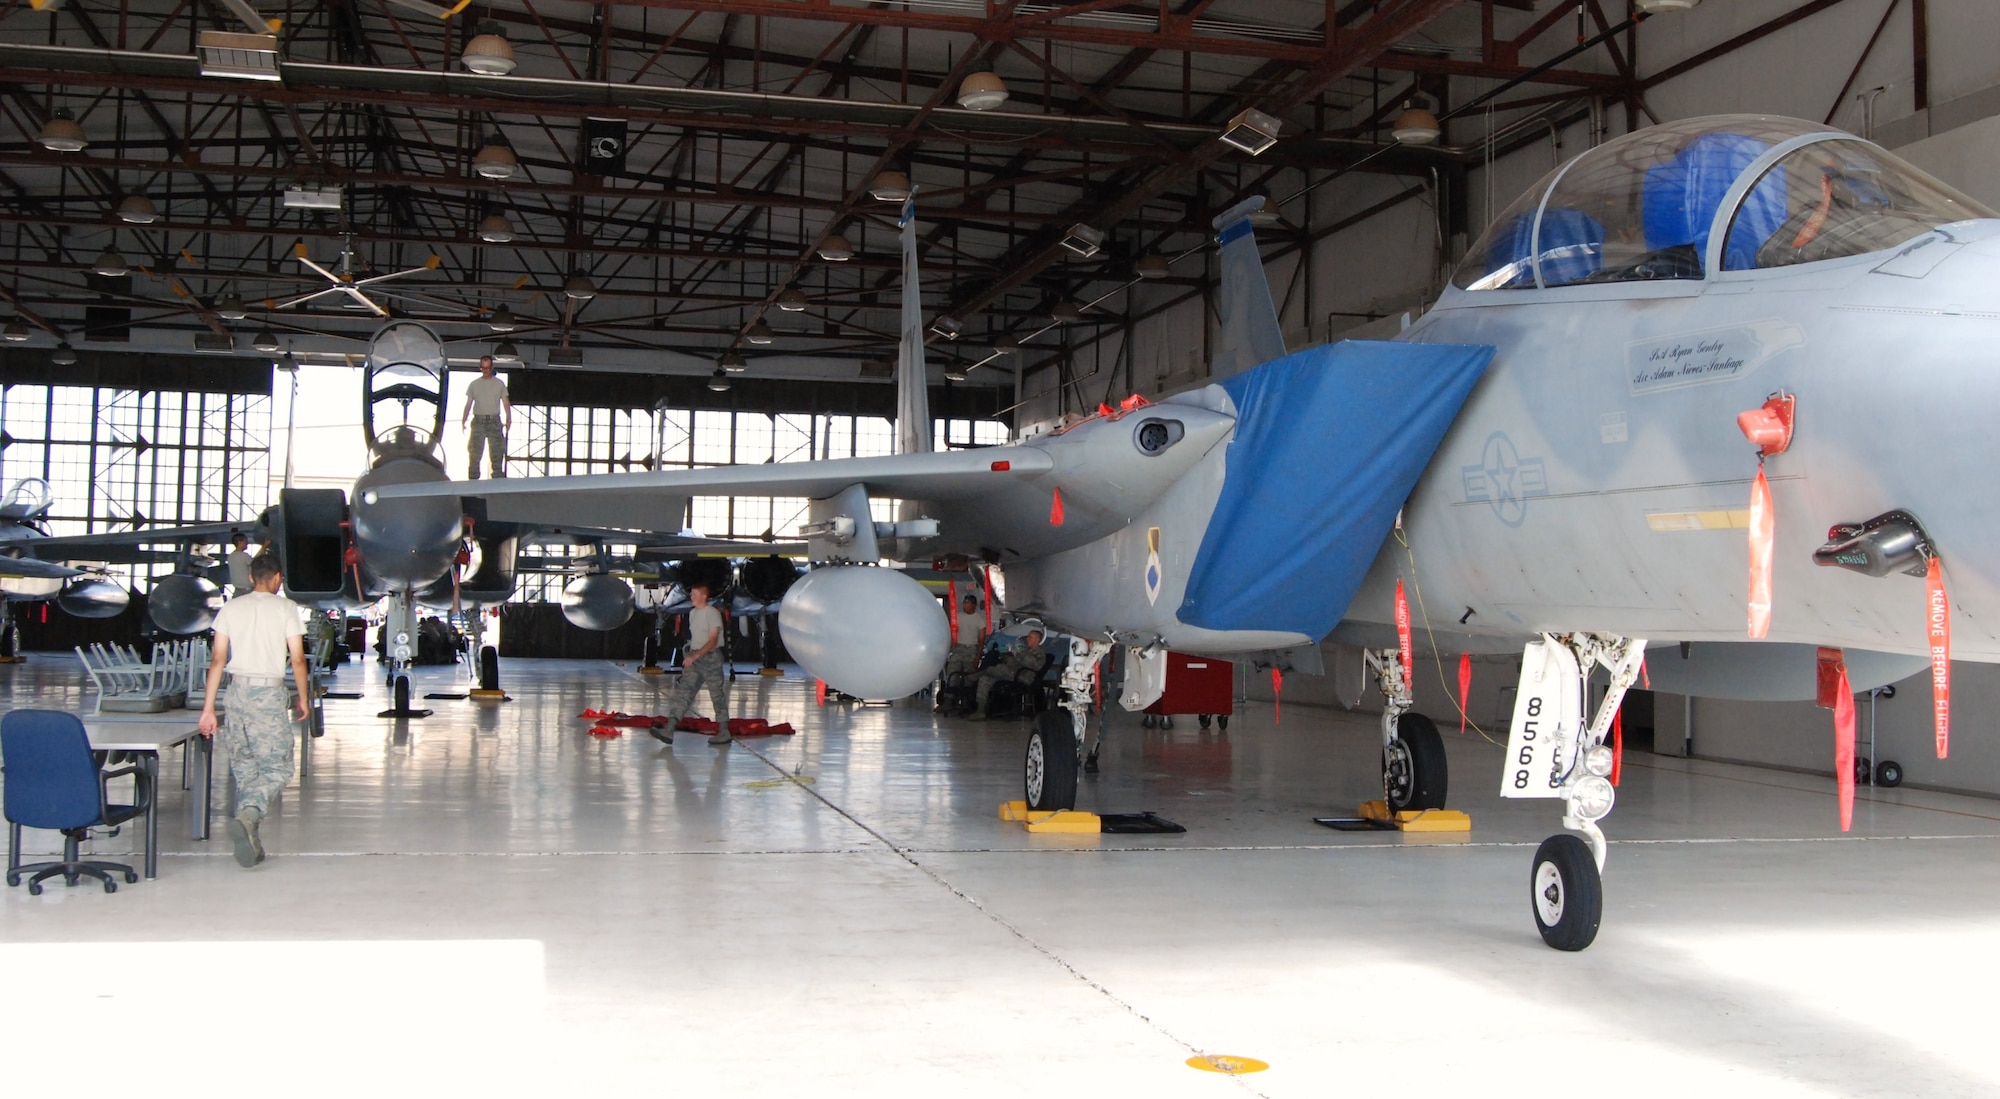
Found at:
[1567, 893]
[1414, 771]
[489, 668]
[1051, 763]
[402, 693]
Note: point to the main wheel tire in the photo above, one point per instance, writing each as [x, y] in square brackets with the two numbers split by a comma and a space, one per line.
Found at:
[1413, 765]
[1567, 894]
[489, 668]
[402, 693]
[1889, 774]
[1050, 767]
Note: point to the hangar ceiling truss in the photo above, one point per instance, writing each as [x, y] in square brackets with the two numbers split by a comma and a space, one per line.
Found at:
[753, 130]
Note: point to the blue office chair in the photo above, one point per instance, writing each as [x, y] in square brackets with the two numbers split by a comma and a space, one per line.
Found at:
[54, 782]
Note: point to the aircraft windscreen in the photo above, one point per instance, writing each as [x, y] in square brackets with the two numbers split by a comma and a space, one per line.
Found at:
[1842, 198]
[1637, 208]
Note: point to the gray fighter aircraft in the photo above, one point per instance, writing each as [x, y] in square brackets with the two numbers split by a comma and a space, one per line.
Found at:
[1560, 436]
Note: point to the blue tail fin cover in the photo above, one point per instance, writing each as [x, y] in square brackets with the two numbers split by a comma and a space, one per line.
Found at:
[1328, 444]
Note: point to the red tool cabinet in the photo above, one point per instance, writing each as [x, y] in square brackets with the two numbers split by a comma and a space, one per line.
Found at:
[1197, 685]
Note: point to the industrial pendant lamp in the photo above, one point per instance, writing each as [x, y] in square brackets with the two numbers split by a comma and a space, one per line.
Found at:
[496, 229]
[61, 134]
[506, 352]
[15, 332]
[265, 340]
[835, 249]
[230, 308]
[733, 362]
[110, 264]
[496, 159]
[890, 186]
[982, 91]
[793, 300]
[578, 287]
[64, 355]
[501, 320]
[1152, 265]
[759, 333]
[1416, 126]
[488, 53]
[138, 210]
[1662, 7]
[718, 381]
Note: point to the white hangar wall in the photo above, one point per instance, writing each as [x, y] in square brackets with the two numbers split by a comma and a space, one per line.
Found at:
[1390, 260]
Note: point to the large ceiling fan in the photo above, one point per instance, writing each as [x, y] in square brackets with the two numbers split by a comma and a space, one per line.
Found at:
[342, 280]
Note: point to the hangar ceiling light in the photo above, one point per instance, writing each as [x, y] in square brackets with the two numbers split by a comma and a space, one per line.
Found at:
[1065, 313]
[1662, 7]
[1253, 131]
[64, 355]
[733, 362]
[496, 229]
[488, 52]
[1152, 265]
[981, 91]
[506, 352]
[718, 381]
[1416, 126]
[578, 287]
[955, 372]
[15, 332]
[496, 160]
[238, 56]
[138, 210]
[793, 300]
[835, 249]
[890, 186]
[1083, 240]
[110, 264]
[759, 333]
[230, 308]
[501, 320]
[62, 134]
[265, 340]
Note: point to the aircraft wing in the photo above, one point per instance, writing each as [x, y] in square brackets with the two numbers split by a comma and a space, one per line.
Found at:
[947, 476]
[39, 570]
[129, 546]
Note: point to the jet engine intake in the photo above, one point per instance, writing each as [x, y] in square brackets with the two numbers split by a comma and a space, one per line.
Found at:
[869, 632]
[183, 604]
[93, 597]
[597, 602]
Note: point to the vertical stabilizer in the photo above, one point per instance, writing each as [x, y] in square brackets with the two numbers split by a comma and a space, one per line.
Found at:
[1250, 332]
[913, 405]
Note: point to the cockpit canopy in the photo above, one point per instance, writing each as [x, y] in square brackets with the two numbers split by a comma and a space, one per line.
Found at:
[1648, 206]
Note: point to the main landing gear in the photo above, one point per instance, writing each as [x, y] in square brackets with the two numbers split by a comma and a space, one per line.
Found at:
[1553, 753]
[1055, 747]
[1414, 772]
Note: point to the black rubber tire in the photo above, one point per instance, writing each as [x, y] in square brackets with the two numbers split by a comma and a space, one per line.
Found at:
[1566, 893]
[1416, 775]
[1222, 722]
[1888, 774]
[131, 877]
[13, 880]
[489, 668]
[1204, 719]
[1049, 769]
[1861, 770]
[402, 693]
[1146, 721]
[34, 889]
[110, 886]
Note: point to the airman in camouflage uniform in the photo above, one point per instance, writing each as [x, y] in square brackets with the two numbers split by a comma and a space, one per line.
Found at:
[254, 634]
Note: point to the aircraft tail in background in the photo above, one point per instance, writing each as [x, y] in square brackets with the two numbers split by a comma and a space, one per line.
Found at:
[913, 406]
[1250, 333]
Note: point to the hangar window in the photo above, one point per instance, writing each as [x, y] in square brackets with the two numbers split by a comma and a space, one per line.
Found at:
[1840, 198]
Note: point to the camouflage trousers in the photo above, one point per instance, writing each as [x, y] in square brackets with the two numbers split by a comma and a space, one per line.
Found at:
[487, 434]
[257, 735]
[706, 672]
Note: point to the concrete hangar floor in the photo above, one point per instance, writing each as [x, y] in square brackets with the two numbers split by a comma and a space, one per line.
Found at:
[492, 898]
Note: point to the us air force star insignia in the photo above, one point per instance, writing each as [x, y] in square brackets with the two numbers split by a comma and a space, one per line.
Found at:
[1152, 565]
[1505, 480]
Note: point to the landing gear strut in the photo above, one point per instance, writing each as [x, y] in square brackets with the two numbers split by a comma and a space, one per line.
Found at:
[401, 633]
[1415, 774]
[1056, 745]
[1553, 753]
